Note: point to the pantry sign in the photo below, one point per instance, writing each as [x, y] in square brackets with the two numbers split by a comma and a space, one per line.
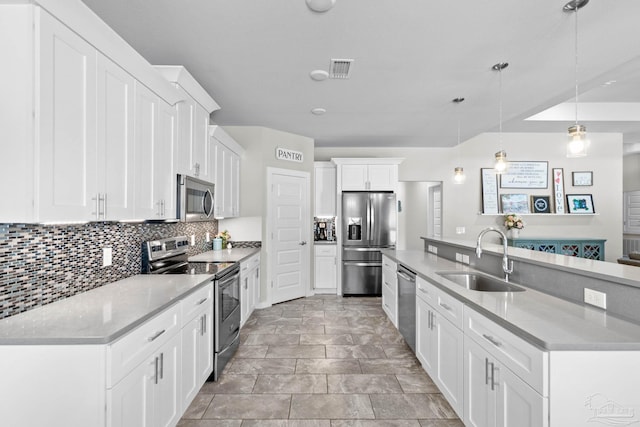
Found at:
[289, 155]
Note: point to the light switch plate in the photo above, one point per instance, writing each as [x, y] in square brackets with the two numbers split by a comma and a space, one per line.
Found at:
[432, 249]
[460, 230]
[107, 257]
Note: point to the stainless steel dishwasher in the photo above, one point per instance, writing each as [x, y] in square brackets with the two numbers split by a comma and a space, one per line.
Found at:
[407, 305]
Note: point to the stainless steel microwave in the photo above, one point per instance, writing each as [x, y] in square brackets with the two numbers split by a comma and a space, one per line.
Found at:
[195, 199]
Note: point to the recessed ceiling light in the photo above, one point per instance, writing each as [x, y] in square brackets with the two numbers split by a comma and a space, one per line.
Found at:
[609, 83]
[320, 5]
[318, 111]
[319, 75]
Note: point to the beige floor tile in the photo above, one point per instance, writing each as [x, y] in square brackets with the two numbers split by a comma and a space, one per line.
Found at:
[262, 366]
[390, 366]
[272, 339]
[372, 338]
[363, 384]
[329, 406]
[300, 329]
[286, 423]
[375, 423]
[296, 352]
[326, 321]
[249, 406]
[251, 352]
[230, 384]
[355, 352]
[328, 366]
[398, 351]
[198, 407]
[338, 339]
[441, 423]
[410, 406]
[417, 383]
[209, 423]
[258, 329]
[280, 384]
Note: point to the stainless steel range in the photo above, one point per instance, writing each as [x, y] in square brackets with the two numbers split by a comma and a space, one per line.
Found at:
[169, 256]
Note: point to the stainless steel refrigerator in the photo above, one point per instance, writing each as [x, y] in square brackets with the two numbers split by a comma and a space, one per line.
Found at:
[368, 225]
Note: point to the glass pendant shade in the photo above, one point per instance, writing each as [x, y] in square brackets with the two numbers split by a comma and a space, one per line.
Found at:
[458, 175]
[501, 162]
[577, 141]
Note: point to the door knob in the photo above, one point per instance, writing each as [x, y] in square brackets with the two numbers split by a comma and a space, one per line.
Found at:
[302, 243]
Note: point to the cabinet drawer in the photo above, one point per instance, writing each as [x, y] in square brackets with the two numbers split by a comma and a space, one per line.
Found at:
[389, 303]
[388, 264]
[129, 351]
[325, 250]
[450, 308]
[196, 303]
[526, 361]
[426, 291]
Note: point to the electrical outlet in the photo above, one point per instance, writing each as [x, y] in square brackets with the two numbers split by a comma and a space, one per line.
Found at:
[107, 257]
[458, 257]
[193, 240]
[599, 299]
[208, 237]
[432, 249]
[465, 259]
[460, 230]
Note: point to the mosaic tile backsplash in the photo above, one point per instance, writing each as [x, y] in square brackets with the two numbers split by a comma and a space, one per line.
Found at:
[40, 264]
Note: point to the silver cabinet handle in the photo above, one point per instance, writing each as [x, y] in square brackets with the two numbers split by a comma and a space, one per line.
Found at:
[302, 243]
[97, 212]
[104, 205]
[156, 370]
[493, 382]
[204, 324]
[202, 301]
[445, 306]
[486, 371]
[492, 340]
[161, 365]
[156, 335]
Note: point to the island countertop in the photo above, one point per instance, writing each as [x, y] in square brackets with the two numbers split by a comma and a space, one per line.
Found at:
[546, 321]
[101, 315]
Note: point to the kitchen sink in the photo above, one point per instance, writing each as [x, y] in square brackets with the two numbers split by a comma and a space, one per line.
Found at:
[479, 282]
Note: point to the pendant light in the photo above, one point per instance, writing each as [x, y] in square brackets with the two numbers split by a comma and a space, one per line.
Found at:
[501, 164]
[458, 172]
[577, 141]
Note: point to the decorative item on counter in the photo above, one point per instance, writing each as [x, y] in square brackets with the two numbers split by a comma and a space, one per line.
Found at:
[217, 244]
[225, 236]
[513, 224]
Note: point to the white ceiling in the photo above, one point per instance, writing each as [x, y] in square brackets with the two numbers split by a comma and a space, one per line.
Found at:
[412, 57]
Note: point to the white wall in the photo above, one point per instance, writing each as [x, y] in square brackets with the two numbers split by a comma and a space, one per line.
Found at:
[461, 203]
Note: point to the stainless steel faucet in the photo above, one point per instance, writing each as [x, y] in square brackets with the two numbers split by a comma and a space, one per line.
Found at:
[507, 266]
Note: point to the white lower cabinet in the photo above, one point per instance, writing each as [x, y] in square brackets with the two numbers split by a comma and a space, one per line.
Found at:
[326, 269]
[439, 345]
[390, 289]
[495, 396]
[249, 287]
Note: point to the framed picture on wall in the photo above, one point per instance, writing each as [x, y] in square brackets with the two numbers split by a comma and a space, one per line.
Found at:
[580, 204]
[514, 203]
[582, 179]
[541, 204]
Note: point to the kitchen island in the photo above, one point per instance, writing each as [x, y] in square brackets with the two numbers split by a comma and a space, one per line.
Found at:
[521, 358]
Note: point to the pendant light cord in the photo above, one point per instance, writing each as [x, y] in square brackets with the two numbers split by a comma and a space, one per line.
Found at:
[576, 63]
[500, 105]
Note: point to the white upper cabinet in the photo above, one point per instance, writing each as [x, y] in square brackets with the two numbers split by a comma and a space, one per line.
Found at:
[367, 174]
[155, 136]
[225, 158]
[193, 150]
[325, 189]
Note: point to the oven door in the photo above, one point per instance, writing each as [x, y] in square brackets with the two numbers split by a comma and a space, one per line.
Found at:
[227, 310]
[195, 199]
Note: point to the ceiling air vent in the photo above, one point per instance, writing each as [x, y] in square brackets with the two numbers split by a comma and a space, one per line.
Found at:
[340, 68]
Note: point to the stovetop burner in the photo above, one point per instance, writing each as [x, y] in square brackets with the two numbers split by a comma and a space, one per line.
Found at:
[169, 256]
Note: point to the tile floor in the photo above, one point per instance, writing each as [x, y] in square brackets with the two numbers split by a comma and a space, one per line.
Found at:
[322, 361]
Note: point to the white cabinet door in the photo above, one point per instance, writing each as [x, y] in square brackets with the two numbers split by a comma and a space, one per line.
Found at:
[244, 298]
[518, 405]
[115, 159]
[449, 375]
[479, 400]
[163, 161]
[205, 348]
[326, 272]
[66, 66]
[146, 108]
[235, 185]
[189, 379]
[131, 400]
[167, 407]
[227, 180]
[425, 337]
[200, 158]
[325, 190]
[382, 177]
[255, 293]
[354, 177]
[185, 125]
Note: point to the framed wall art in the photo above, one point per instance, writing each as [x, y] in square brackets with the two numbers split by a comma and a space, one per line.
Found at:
[514, 203]
[541, 204]
[582, 178]
[558, 190]
[580, 204]
[489, 181]
[526, 175]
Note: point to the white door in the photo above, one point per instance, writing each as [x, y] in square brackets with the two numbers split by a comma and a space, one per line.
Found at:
[450, 363]
[479, 399]
[289, 219]
[435, 200]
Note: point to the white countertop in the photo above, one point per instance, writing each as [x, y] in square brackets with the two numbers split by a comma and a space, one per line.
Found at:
[101, 315]
[225, 255]
[546, 321]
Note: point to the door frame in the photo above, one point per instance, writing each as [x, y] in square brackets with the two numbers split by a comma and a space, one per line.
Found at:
[270, 226]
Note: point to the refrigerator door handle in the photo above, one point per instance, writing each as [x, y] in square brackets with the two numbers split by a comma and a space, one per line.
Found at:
[372, 222]
[368, 236]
